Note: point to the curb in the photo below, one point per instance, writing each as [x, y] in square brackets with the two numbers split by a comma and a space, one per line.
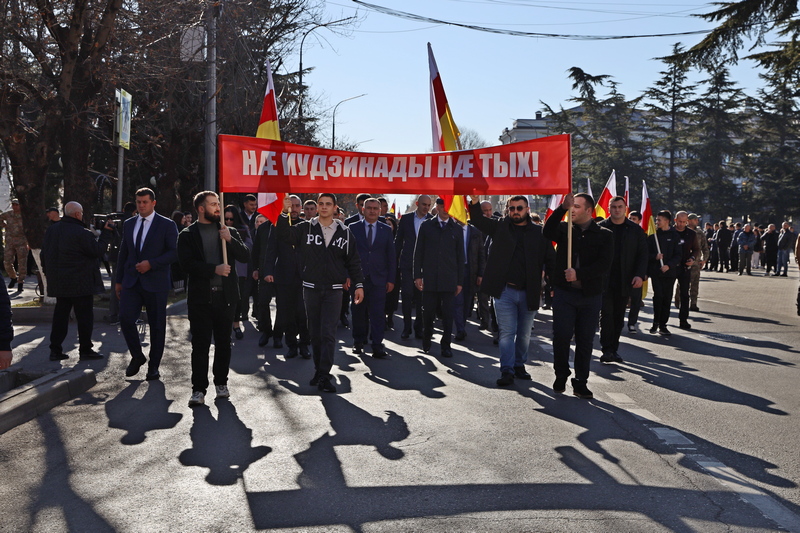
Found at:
[25, 403]
[44, 314]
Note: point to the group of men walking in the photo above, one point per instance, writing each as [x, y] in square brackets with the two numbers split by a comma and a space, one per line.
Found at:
[595, 271]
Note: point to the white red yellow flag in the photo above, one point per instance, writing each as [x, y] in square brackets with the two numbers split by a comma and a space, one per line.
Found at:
[270, 204]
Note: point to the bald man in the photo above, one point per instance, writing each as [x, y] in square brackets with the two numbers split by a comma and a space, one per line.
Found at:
[405, 241]
[70, 264]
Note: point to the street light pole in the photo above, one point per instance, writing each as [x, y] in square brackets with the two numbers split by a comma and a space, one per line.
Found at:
[333, 127]
[300, 82]
[211, 94]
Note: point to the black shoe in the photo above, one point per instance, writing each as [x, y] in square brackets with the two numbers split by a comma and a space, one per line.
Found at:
[239, 333]
[406, 334]
[292, 352]
[19, 286]
[664, 331]
[58, 356]
[506, 379]
[617, 358]
[304, 353]
[447, 352]
[389, 322]
[90, 354]
[607, 358]
[358, 348]
[483, 326]
[521, 373]
[685, 325]
[782, 275]
[654, 330]
[263, 340]
[316, 379]
[325, 385]
[461, 335]
[560, 385]
[694, 308]
[379, 353]
[277, 344]
[133, 368]
[426, 346]
[152, 375]
[496, 339]
[12, 283]
[580, 390]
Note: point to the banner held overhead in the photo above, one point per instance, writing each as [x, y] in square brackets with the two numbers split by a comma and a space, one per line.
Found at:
[538, 166]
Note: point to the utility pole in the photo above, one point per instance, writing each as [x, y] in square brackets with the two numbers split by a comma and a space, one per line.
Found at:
[210, 181]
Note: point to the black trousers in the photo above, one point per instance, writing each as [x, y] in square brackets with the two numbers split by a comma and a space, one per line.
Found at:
[262, 304]
[684, 283]
[443, 301]
[290, 319]
[369, 317]
[636, 306]
[612, 318]
[206, 320]
[734, 255]
[83, 316]
[662, 299]
[322, 308]
[412, 299]
[724, 259]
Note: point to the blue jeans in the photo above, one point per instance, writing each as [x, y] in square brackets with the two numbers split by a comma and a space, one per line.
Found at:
[783, 261]
[515, 322]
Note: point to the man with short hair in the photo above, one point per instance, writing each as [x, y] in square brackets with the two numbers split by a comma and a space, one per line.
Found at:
[636, 295]
[735, 230]
[329, 259]
[438, 273]
[144, 279]
[628, 271]
[249, 212]
[52, 215]
[405, 240]
[16, 245]
[359, 215]
[309, 209]
[722, 240]
[376, 250]
[770, 242]
[212, 292]
[264, 289]
[70, 257]
[578, 287]
[513, 278]
[700, 264]
[485, 308]
[747, 241]
[665, 254]
[690, 253]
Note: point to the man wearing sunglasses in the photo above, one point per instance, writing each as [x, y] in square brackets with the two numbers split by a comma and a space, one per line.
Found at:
[513, 278]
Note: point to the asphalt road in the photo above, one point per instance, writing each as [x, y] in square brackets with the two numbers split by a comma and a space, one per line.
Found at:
[695, 433]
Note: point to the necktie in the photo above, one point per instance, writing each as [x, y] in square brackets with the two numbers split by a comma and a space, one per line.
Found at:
[369, 234]
[443, 223]
[139, 236]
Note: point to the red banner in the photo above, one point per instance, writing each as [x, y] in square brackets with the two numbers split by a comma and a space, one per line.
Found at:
[539, 166]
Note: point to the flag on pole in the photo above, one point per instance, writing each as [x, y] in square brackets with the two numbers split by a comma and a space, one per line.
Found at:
[590, 193]
[627, 196]
[555, 201]
[445, 134]
[270, 204]
[393, 209]
[647, 222]
[610, 191]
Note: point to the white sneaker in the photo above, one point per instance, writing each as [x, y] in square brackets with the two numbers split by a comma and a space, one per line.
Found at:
[222, 391]
[198, 398]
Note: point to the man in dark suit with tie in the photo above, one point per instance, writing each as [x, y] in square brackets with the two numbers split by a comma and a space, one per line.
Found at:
[376, 250]
[474, 263]
[404, 242]
[148, 248]
[439, 273]
[360, 200]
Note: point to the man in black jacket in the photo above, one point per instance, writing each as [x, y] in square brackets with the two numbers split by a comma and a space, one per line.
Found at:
[70, 262]
[212, 293]
[404, 241]
[264, 232]
[439, 273]
[513, 278]
[722, 240]
[329, 258]
[578, 287]
[628, 271]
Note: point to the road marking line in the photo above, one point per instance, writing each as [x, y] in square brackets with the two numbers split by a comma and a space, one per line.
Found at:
[644, 414]
[670, 436]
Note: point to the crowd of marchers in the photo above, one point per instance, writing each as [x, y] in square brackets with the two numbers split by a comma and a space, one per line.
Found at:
[323, 270]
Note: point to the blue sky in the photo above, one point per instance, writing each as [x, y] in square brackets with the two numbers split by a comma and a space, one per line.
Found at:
[490, 79]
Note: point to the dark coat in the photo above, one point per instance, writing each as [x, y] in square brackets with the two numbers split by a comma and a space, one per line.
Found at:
[671, 249]
[592, 252]
[723, 238]
[476, 256]
[199, 273]
[70, 259]
[258, 254]
[633, 258]
[282, 261]
[498, 231]
[439, 255]
[406, 239]
[378, 261]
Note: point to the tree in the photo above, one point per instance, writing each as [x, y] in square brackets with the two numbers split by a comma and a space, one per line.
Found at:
[669, 103]
[717, 143]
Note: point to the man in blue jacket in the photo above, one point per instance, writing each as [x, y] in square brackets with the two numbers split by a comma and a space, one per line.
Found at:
[376, 251]
[148, 248]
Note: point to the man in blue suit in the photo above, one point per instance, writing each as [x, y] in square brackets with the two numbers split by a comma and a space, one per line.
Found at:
[405, 240]
[378, 263]
[148, 248]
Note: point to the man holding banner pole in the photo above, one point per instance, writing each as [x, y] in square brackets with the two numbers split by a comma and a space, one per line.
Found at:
[583, 262]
